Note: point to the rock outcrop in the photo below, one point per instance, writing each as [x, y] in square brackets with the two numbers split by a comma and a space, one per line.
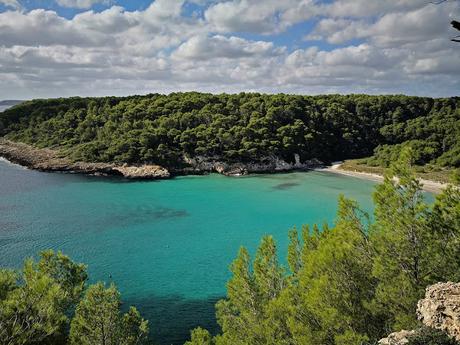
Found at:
[49, 160]
[202, 164]
[440, 308]
[146, 171]
[397, 338]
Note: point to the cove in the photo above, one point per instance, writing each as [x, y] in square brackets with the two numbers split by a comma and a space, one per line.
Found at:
[166, 244]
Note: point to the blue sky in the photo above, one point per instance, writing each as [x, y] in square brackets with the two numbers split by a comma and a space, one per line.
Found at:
[51, 48]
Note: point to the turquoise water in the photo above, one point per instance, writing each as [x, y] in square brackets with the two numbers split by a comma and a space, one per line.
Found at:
[166, 244]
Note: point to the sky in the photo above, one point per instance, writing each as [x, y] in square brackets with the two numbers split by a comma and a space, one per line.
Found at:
[59, 48]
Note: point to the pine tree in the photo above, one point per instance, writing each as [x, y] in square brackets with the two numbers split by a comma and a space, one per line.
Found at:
[98, 320]
[294, 252]
[405, 243]
[329, 304]
[200, 336]
[30, 312]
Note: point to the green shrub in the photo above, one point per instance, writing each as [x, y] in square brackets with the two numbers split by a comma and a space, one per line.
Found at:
[431, 336]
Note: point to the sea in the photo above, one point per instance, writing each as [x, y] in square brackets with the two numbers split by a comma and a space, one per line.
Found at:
[167, 245]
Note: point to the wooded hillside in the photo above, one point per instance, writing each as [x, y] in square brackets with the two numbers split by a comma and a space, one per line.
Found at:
[241, 127]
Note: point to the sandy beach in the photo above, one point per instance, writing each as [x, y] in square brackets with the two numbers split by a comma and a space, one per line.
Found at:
[428, 185]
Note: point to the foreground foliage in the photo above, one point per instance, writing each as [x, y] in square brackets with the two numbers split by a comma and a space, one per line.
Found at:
[36, 305]
[242, 127]
[351, 284]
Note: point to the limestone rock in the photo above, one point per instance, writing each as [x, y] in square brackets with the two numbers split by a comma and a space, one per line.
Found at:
[441, 308]
[143, 171]
[397, 338]
[264, 164]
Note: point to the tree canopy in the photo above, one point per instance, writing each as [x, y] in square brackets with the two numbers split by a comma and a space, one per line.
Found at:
[39, 303]
[241, 127]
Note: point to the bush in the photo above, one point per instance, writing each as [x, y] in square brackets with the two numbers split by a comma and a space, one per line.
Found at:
[431, 336]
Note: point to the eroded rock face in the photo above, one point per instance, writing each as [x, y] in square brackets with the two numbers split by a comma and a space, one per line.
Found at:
[441, 308]
[397, 338]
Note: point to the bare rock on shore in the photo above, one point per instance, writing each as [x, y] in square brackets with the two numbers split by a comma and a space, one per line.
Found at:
[265, 164]
[441, 308]
[49, 160]
[146, 171]
[397, 338]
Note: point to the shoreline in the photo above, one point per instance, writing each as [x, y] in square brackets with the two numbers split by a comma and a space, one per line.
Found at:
[427, 185]
[49, 160]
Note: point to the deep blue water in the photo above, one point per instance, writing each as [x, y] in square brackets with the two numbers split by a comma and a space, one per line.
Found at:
[166, 244]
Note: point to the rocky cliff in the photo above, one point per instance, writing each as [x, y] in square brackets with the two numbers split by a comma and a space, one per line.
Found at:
[440, 309]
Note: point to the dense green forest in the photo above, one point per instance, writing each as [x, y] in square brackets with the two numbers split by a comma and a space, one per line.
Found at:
[350, 284]
[240, 127]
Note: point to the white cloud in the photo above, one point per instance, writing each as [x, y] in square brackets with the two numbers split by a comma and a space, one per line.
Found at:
[366, 8]
[337, 31]
[41, 27]
[421, 25]
[256, 16]
[403, 47]
[80, 3]
[110, 21]
[205, 48]
[394, 28]
[165, 8]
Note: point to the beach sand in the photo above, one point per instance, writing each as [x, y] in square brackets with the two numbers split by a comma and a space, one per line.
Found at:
[428, 185]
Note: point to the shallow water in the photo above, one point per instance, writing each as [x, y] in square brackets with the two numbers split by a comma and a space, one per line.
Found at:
[166, 244]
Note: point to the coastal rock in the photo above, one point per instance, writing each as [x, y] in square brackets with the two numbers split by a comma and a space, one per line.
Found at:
[49, 160]
[397, 338]
[265, 164]
[143, 171]
[441, 308]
